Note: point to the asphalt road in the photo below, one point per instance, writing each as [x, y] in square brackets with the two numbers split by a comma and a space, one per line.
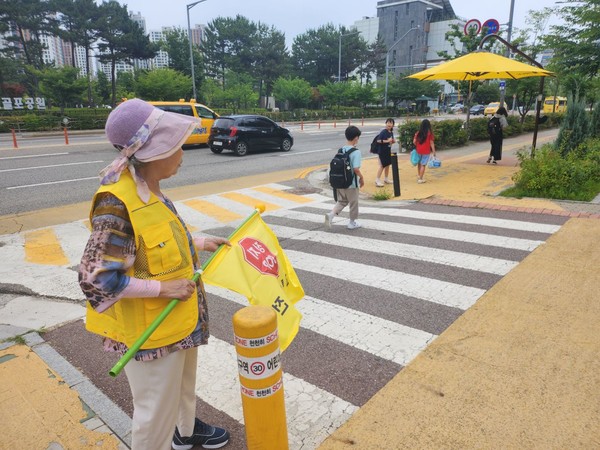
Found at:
[44, 172]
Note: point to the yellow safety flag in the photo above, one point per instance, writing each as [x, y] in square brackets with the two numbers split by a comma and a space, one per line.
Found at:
[256, 267]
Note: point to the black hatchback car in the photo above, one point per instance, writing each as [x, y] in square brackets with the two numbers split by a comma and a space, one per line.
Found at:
[242, 133]
[477, 110]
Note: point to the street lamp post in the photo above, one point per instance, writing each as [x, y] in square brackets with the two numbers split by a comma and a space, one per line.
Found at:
[190, 6]
[387, 62]
[340, 54]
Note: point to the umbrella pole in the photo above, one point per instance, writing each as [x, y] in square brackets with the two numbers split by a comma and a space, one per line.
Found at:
[538, 107]
[467, 125]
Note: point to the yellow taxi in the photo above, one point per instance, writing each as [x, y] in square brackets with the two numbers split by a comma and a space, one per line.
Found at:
[206, 117]
[491, 108]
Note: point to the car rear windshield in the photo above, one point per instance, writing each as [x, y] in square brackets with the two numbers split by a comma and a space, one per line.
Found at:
[223, 122]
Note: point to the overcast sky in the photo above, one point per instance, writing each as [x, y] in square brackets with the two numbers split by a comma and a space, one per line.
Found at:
[294, 17]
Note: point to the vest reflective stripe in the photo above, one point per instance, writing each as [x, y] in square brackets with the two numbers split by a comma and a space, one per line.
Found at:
[162, 253]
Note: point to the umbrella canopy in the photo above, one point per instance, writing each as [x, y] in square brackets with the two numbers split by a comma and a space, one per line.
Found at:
[480, 65]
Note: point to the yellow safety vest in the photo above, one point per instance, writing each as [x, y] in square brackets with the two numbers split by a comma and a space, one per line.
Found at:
[162, 253]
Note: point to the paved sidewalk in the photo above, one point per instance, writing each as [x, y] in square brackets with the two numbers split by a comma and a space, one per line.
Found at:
[518, 370]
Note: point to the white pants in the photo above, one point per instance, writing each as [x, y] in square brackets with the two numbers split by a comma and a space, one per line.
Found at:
[164, 396]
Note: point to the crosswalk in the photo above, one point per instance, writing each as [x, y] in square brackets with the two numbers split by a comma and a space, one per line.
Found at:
[375, 297]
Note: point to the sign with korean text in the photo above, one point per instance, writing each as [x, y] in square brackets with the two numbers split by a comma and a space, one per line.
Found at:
[18, 103]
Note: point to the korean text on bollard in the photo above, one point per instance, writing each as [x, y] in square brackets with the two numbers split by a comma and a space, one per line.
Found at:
[259, 369]
[395, 174]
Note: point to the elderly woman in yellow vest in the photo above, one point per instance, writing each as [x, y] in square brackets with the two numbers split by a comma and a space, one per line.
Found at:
[139, 256]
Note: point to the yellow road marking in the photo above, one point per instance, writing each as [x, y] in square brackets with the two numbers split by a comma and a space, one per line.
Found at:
[212, 210]
[308, 170]
[43, 247]
[283, 194]
[250, 201]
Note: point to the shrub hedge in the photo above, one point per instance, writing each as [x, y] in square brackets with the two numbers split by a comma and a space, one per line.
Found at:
[449, 133]
[575, 176]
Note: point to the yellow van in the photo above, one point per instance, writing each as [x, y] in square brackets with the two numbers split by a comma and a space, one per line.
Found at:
[554, 105]
[205, 115]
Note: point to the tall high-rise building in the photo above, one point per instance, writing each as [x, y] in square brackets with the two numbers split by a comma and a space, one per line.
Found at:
[198, 34]
[368, 27]
[139, 19]
[161, 60]
[405, 27]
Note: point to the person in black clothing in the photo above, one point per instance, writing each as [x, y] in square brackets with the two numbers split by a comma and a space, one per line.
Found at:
[385, 139]
[497, 123]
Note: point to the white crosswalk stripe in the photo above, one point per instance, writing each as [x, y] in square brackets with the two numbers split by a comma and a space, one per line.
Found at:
[433, 232]
[417, 252]
[217, 361]
[420, 287]
[386, 339]
[315, 408]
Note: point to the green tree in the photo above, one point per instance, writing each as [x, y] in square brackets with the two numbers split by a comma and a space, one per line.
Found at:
[78, 20]
[525, 91]
[316, 54]
[121, 39]
[575, 41]
[125, 85]
[408, 89]
[12, 80]
[486, 93]
[271, 59]
[29, 20]
[61, 86]
[595, 121]
[240, 92]
[163, 84]
[574, 129]
[176, 44]
[102, 88]
[296, 91]
[375, 64]
[228, 46]
[364, 94]
[335, 94]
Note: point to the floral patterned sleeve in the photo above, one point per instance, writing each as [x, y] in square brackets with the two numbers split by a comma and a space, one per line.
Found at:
[109, 253]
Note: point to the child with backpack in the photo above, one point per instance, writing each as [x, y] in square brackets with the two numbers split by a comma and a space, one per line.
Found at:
[495, 126]
[385, 139]
[346, 178]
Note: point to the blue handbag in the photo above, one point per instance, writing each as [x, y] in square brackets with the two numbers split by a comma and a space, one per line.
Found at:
[414, 157]
[434, 162]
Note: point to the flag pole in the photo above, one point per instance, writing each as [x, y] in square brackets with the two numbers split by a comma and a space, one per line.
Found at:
[122, 362]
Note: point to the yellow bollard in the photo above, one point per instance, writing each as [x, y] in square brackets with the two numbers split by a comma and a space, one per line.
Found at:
[259, 369]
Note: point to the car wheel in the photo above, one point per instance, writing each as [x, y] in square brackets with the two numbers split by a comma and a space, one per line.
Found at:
[286, 144]
[241, 148]
[216, 150]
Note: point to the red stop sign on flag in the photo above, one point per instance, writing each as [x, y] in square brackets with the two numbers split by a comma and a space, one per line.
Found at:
[259, 256]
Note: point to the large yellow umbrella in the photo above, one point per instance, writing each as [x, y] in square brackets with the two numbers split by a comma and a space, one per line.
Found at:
[481, 65]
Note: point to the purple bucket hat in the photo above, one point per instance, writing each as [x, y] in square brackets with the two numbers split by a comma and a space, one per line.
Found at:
[137, 128]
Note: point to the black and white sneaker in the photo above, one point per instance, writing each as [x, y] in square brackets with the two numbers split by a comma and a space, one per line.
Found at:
[205, 435]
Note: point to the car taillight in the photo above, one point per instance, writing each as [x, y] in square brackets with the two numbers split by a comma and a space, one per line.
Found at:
[233, 131]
